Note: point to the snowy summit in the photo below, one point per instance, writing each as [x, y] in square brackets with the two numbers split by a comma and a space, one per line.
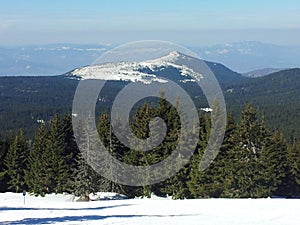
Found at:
[135, 71]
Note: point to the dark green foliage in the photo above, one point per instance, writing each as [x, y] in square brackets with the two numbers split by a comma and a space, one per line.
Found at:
[85, 178]
[252, 162]
[50, 160]
[15, 163]
[246, 178]
[292, 180]
[24, 100]
[115, 149]
[58, 155]
[274, 161]
[214, 181]
[4, 144]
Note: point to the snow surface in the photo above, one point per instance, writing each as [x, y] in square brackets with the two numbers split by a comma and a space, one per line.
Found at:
[131, 71]
[62, 209]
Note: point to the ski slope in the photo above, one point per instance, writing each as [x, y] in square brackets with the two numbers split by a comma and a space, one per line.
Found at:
[62, 209]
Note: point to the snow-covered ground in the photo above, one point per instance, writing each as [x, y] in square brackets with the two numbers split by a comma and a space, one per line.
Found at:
[62, 209]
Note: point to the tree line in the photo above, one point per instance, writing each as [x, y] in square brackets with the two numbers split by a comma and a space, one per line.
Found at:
[253, 161]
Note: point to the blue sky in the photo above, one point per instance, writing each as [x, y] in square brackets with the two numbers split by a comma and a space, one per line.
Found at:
[190, 22]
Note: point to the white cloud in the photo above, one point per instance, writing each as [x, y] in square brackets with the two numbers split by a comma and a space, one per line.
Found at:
[222, 51]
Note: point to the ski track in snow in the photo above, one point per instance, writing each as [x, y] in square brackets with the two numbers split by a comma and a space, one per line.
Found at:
[61, 209]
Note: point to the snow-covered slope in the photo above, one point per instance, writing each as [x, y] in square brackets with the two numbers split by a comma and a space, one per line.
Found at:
[135, 71]
[60, 209]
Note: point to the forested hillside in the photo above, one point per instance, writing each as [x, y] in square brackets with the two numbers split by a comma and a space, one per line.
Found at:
[253, 161]
[26, 101]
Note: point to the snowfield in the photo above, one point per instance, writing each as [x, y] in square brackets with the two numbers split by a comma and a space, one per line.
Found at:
[63, 209]
[131, 71]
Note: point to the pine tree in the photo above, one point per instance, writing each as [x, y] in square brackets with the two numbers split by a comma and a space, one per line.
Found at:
[4, 145]
[293, 175]
[115, 149]
[86, 180]
[213, 181]
[48, 169]
[36, 175]
[71, 149]
[274, 165]
[16, 161]
[56, 149]
[247, 178]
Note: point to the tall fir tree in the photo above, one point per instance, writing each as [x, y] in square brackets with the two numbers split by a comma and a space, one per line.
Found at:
[115, 149]
[293, 177]
[211, 182]
[16, 162]
[86, 180]
[274, 168]
[36, 175]
[56, 149]
[246, 176]
[4, 145]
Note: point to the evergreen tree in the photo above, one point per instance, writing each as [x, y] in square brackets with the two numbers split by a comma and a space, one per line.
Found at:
[115, 149]
[36, 175]
[71, 149]
[4, 144]
[48, 169]
[293, 175]
[138, 156]
[246, 177]
[86, 180]
[56, 150]
[213, 181]
[274, 165]
[16, 161]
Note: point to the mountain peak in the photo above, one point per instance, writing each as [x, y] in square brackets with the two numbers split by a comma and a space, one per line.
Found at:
[140, 71]
[172, 57]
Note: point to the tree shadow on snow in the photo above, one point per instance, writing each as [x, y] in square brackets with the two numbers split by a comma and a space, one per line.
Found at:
[66, 209]
[82, 218]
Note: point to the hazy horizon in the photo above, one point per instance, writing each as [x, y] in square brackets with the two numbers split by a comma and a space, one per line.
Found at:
[193, 23]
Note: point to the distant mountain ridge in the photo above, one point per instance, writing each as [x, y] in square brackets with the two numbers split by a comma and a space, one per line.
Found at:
[262, 72]
[26, 100]
[45, 60]
[150, 70]
[55, 59]
[251, 55]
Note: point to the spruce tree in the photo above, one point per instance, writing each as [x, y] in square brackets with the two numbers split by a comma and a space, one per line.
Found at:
[4, 144]
[56, 150]
[16, 162]
[293, 175]
[245, 179]
[86, 180]
[213, 181]
[273, 165]
[36, 175]
[71, 149]
[115, 149]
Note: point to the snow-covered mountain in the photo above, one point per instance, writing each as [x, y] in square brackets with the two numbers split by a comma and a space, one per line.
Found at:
[145, 72]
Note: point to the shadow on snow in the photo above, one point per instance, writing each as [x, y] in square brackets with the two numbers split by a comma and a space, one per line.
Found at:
[82, 218]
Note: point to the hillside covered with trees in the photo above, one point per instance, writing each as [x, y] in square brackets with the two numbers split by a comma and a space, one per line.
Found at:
[253, 161]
